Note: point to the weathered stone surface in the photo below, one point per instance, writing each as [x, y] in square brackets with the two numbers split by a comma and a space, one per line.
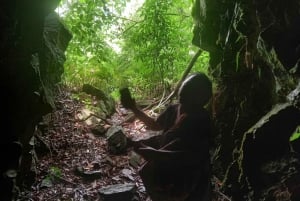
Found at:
[118, 192]
[52, 57]
[135, 159]
[282, 178]
[89, 89]
[98, 130]
[30, 49]
[117, 140]
[268, 140]
[106, 102]
[87, 114]
[294, 96]
[252, 46]
[88, 174]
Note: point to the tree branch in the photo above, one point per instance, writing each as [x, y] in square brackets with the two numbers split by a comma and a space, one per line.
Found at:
[186, 72]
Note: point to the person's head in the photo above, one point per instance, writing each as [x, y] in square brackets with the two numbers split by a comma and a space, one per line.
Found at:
[195, 91]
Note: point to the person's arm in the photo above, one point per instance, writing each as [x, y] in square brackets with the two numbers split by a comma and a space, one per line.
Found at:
[129, 103]
[149, 122]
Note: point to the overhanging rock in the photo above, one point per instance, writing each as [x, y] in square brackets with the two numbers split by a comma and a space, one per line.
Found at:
[268, 140]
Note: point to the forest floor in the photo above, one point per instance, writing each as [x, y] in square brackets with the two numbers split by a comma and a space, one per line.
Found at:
[72, 149]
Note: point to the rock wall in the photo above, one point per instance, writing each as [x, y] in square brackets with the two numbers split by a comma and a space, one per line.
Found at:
[32, 48]
[254, 59]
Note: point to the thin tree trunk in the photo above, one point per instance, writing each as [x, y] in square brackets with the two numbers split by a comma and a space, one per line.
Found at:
[186, 72]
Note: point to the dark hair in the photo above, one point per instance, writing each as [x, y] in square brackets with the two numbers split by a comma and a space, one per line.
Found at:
[196, 89]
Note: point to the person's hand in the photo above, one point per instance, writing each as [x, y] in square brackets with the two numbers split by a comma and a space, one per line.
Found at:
[127, 101]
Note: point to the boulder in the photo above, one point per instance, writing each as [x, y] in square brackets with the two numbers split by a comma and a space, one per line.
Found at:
[98, 130]
[116, 139]
[105, 102]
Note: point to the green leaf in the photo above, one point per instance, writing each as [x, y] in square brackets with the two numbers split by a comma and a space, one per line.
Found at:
[295, 136]
[47, 182]
[55, 171]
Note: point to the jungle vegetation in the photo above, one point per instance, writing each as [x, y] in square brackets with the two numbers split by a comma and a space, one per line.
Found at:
[114, 44]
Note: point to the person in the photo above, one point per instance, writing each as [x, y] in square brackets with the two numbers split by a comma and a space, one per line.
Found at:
[179, 170]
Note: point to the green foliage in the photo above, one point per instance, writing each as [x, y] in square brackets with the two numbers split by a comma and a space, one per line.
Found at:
[155, 45]
[158, 46]
[88, 53]
[295, 135]
[55, 171]
[53, 175]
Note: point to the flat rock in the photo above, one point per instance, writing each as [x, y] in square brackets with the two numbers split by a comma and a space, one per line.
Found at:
[118, 192]
[88, 174]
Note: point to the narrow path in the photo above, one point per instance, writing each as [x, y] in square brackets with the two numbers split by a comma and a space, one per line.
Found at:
[72, 147]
